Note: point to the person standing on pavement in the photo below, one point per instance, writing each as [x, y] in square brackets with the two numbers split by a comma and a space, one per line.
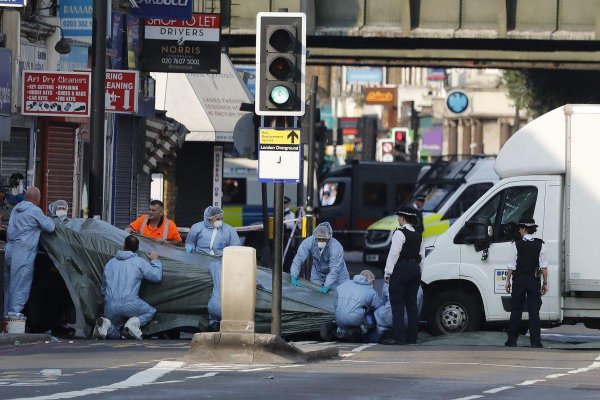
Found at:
[525, 267]
[211, 235]
[403, 273]
[123, 277]
[418, 205]
[328, 265]
[156, 226]
[26, 223]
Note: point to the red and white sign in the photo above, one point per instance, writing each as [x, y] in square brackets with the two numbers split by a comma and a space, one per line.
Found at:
[121, 95]
[58, 94]
[201, 28]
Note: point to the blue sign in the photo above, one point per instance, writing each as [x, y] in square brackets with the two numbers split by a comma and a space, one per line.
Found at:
[5, 81]
[77, 59]
[163, 9]
[358, 75]
[117, 56]
[76, 18]
[248, 75]
[457, 101]
[13, 3]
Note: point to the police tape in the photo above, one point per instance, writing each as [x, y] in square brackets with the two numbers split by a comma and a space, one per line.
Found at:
[259, 227]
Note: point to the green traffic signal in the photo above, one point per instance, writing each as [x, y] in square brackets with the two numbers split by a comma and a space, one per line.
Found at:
[280, 95]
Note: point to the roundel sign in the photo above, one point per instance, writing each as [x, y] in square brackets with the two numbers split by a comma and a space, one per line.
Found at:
[457, 101]
[387, 147]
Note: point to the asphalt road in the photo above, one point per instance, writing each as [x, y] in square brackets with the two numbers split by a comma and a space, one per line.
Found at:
[156, 370]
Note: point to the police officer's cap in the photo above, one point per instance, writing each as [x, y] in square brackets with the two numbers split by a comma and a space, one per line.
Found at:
[407, 211]
[420, 197]
[286, 199]
[527, 222]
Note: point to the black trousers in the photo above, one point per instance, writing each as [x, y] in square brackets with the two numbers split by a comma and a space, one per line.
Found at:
[525, 288]
[404, 286]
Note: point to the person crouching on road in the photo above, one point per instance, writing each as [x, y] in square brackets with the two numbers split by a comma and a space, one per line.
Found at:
[156, 226]
[384, 318]
[211, 235]
[354, 302]
[403, 273]
[122, 279]
[529, 258]
[328, 265]
[26, 223]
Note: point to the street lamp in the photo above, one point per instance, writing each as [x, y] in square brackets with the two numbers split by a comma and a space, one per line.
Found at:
[62, 46]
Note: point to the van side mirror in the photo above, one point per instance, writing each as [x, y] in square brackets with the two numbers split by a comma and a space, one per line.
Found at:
[478, 232]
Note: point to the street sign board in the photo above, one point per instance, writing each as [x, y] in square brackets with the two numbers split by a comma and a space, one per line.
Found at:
[57, 94]
[13, 3]
[279, 155]
[173, 9]
[76, 18]
[121, 94]
[192, 46]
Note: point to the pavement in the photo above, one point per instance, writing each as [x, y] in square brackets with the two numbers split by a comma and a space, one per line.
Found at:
[15, 339]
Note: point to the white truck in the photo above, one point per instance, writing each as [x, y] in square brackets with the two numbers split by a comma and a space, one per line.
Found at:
[548, 171]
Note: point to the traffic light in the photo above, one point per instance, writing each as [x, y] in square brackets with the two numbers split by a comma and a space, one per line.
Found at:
[280, 63]
[400, 136]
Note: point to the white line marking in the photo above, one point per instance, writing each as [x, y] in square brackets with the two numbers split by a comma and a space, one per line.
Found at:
[497, 390]
[463, 363]
[364, 346]
[531, 382]
[291, 366]
[206, 375]
[554, 376]
[347, 355]
[476, 396]
[255, 369]
[141, 378]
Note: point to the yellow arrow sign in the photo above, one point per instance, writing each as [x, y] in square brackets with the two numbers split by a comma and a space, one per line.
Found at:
[280, 136]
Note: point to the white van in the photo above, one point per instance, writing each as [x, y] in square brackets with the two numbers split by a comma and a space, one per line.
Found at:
[548, 171]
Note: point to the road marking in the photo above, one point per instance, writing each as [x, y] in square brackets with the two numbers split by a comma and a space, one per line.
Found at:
[206, 375]
[141, 378]
[531, 382]
[476, 396]
[554, 376]
[497, 390]
[457, 363]
[364, 346]
[347, 355]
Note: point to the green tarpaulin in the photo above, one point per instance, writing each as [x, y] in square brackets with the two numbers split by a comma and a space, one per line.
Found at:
[80, 248]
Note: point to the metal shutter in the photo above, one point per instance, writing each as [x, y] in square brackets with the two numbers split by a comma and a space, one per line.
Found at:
[60, 166]
[125, 186]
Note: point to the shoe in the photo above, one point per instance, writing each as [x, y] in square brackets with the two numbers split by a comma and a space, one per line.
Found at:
[132, 330]
[101, 328]
[510, 343]
[328, 331]
[537, 345]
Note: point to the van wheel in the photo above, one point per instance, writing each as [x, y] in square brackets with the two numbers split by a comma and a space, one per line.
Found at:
[453, 312]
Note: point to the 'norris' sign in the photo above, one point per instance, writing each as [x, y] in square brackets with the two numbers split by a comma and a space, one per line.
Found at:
[192, 46]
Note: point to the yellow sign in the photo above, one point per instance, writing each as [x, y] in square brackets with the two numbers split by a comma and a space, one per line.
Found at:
[280, 136]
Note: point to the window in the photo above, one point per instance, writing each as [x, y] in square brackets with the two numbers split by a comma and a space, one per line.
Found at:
[512, 204]
[234, 191]
[466, 199]
[331, 193]
[403, 193]
[374, 194]
[438, 195]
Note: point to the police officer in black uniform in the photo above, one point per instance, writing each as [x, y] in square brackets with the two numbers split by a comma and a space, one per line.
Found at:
[526, 267]
[418, 205]
[403, 273]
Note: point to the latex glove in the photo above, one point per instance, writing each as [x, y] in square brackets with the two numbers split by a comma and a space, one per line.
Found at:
[324, 289]
[189, 248]
[294, 281]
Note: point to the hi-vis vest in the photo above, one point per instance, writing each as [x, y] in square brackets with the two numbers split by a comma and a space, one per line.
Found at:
[165, 229]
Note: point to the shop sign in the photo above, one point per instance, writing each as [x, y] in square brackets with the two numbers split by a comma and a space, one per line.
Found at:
[172, 9]
[381, 96]
[192, 46]
[58, 94]
[13, 3]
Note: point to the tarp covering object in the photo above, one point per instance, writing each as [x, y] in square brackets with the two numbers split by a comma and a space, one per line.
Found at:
[80, 248]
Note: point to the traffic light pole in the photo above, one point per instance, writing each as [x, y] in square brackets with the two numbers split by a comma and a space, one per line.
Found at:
[96, 183]
[310, 181]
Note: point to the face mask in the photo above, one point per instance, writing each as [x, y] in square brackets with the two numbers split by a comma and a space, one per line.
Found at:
[321, 245]
[61, 213]
[218, 224]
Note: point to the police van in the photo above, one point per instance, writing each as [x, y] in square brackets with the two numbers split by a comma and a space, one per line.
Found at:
[450, 188]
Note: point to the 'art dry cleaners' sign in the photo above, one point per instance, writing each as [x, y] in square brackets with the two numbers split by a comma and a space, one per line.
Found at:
[163, 9]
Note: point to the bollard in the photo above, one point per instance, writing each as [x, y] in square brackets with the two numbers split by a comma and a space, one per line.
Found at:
[238, 289]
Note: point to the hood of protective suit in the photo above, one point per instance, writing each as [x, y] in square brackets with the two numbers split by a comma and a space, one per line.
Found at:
[125, 254]
[361, 280]
[323, 226]
[207, 218]
[23, 206]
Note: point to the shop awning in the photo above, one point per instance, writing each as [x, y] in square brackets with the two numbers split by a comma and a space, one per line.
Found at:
[163, 136]
[207, 104]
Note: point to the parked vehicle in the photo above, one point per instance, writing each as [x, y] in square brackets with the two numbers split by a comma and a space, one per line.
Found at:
[548, 172]
[354, 196]
[450, 189]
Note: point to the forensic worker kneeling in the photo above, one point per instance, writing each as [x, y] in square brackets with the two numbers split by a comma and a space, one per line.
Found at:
[121, 286]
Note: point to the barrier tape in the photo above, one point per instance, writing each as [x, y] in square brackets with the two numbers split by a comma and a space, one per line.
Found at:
[248, 228]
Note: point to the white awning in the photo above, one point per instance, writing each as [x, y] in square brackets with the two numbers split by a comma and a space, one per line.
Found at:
[207, 104]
